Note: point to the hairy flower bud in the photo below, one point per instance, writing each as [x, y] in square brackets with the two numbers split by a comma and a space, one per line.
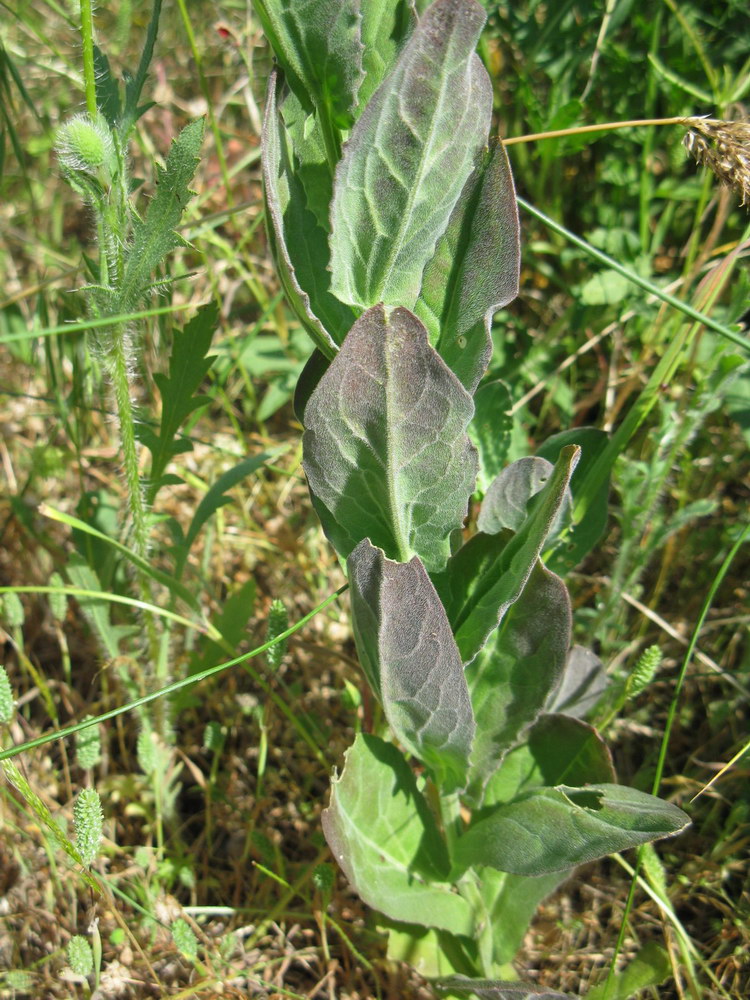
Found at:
[84, 145]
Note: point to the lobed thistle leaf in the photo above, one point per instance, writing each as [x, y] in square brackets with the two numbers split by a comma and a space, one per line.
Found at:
[87, 821]
[644, 671]
[12, 608]
[723, 147]
[7, 703]
[88, 746]
[80, 955]
[184, 938]
[278, 622]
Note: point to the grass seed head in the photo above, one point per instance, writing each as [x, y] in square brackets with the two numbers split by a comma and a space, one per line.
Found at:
[723, 147]
[88, 821]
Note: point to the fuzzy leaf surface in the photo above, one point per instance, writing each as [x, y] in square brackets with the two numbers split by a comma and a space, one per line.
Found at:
[318, 44]
[475, 268]
[557, 828]
[497, 989]
[408, 653]
[385, 446]
[490, 430]
[557, 750]
[582, 537]
[382, 833]
[385, 27]
[507, 501]
[583, 683]
[512, 677]
[297, 185]
[155, 235]
[408, 157]
[510, 903]
[489, 572]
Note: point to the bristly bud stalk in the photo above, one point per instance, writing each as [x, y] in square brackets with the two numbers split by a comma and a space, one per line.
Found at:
[723, 147]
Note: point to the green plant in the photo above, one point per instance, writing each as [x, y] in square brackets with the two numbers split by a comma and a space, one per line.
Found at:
[395, 230]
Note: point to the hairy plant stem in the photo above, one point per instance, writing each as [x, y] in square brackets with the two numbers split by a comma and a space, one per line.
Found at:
[117, 357]
[87, 39]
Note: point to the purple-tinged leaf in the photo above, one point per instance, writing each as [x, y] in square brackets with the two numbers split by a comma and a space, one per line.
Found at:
[513, 676]
[410, 658]
[583, 683]
[385, 447]
[484, 578]
[408, 157]
[475, 269]
[497, 989]
[506, 502]
[297, 185]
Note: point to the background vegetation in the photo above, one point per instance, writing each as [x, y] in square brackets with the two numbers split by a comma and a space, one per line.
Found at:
[222, 833]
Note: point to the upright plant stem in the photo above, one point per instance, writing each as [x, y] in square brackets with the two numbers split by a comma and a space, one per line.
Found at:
[121, 383]
[87, 39]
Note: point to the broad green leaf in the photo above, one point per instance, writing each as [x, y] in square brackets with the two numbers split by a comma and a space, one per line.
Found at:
[552, 829]
[407, 159]
[507, 502]
[382, 833]
[155, 235]
[475, 269]
[386, 24]
[511, 902]
[429, 952]
[557, 750]
[650, 967]
[581, 538]
[583, 683]
[188, 366]
[496, 989]
[490, 429]
[489, 572]
[297, 185]
[410, 658]
[385, 446]
[318, 44]
[511, 679]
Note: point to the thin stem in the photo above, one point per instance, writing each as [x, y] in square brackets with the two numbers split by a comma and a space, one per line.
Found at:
[636, 279]
[582, 129]
[170, 689]
[718, 579]
[209, 104]
[87, 39]
[121, 383]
